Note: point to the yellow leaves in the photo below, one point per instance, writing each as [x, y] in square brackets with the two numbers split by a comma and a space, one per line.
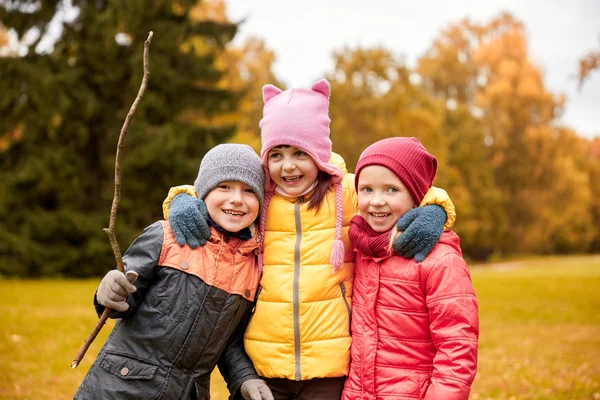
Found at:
[508, 70]
[247, 68]
[499, 89]
[209, 10]
[249, 64]
[376, 97]
[528, 88]
[533, 166]
[499, 45]
[555, 197]
[587, 64]
[369, 70]
[198, 45]
[205, 10]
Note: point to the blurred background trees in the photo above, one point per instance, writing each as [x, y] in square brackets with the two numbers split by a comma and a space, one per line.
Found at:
[63, 104]
[521, 182]
[587, 64]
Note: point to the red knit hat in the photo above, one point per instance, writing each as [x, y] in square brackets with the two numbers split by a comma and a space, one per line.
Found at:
[407, 158]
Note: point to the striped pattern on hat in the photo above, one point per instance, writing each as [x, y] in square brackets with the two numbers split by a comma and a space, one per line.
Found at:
[407, 158]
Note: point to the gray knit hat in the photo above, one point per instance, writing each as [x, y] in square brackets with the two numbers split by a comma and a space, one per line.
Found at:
[231, 162]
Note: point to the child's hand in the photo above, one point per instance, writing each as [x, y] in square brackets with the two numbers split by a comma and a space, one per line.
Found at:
[255, 389]
[422, 228]
[114, 288]
[187, 216]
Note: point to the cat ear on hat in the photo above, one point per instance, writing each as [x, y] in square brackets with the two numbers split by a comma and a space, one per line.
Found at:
[322, 86]
[270, 91]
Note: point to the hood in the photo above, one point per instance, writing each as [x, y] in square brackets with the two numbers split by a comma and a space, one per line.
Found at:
[449, 238]
[339, 162]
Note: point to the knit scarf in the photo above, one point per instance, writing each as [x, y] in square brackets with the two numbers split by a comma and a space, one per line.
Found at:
[366, 240]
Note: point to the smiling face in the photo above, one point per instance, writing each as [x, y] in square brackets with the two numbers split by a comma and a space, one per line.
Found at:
[232, 205]
[382, 197]
[292, 169]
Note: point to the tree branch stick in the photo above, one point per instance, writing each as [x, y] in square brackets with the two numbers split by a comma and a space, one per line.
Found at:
[110, 231]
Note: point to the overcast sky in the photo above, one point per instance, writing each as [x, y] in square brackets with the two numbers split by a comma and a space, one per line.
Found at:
[304, 34]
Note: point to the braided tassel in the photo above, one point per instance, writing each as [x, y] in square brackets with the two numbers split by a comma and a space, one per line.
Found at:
[337, 251]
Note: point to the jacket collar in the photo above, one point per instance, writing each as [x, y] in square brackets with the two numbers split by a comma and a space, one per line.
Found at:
[218, 239]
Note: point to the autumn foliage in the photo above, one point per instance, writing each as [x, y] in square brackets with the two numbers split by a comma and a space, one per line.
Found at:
[522, 183]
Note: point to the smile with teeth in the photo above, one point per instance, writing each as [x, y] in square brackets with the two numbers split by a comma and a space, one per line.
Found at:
[291, 178]
[380, 215]
[234, 213]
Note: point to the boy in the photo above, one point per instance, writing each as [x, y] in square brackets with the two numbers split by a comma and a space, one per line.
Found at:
[185, 310]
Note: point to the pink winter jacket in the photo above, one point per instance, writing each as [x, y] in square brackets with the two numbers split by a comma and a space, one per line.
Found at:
[415, 327]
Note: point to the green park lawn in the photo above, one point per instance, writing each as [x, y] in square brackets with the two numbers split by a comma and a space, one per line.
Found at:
[540, 332]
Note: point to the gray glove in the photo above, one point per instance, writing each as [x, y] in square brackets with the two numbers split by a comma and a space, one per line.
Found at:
[187, 217]
[114, 288]
[256, 389]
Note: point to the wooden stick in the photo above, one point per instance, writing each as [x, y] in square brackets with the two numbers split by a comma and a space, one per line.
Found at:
[110, 231]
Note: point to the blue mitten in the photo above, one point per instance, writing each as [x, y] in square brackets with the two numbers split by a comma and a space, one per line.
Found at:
[188, 216]
[422, 228]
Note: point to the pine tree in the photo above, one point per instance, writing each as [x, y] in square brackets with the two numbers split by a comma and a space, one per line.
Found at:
[62, 110]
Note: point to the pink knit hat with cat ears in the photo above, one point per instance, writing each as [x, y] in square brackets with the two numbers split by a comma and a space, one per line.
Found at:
[299, 117]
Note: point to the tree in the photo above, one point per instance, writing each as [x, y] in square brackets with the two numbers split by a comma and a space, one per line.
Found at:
[538, 180]
[377, 96]
[247, 68]
[587, 64]
[63, 109]
[373, 98]
[593, 158]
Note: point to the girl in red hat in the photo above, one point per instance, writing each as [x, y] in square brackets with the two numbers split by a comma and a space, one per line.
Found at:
[415, 325]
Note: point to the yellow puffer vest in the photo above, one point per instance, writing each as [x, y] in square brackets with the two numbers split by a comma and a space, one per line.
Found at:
[301, 325]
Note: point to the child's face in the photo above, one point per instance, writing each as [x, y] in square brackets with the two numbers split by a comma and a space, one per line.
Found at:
[382, 197]
[232, 205]
[292, 169]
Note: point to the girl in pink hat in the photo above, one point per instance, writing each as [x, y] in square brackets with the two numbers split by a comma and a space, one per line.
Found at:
[415, 326]
[299, 335]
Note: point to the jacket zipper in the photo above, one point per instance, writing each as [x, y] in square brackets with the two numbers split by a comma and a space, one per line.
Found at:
[256, 299]
[296, 300]
[343, 287]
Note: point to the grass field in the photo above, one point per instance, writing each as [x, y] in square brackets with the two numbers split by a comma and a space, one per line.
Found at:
[540, 332]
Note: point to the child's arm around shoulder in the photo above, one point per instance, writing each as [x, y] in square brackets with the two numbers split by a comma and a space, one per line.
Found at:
[454, 325]
[174, 191]
[187, 215]
[422, 226]
[440, 197]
